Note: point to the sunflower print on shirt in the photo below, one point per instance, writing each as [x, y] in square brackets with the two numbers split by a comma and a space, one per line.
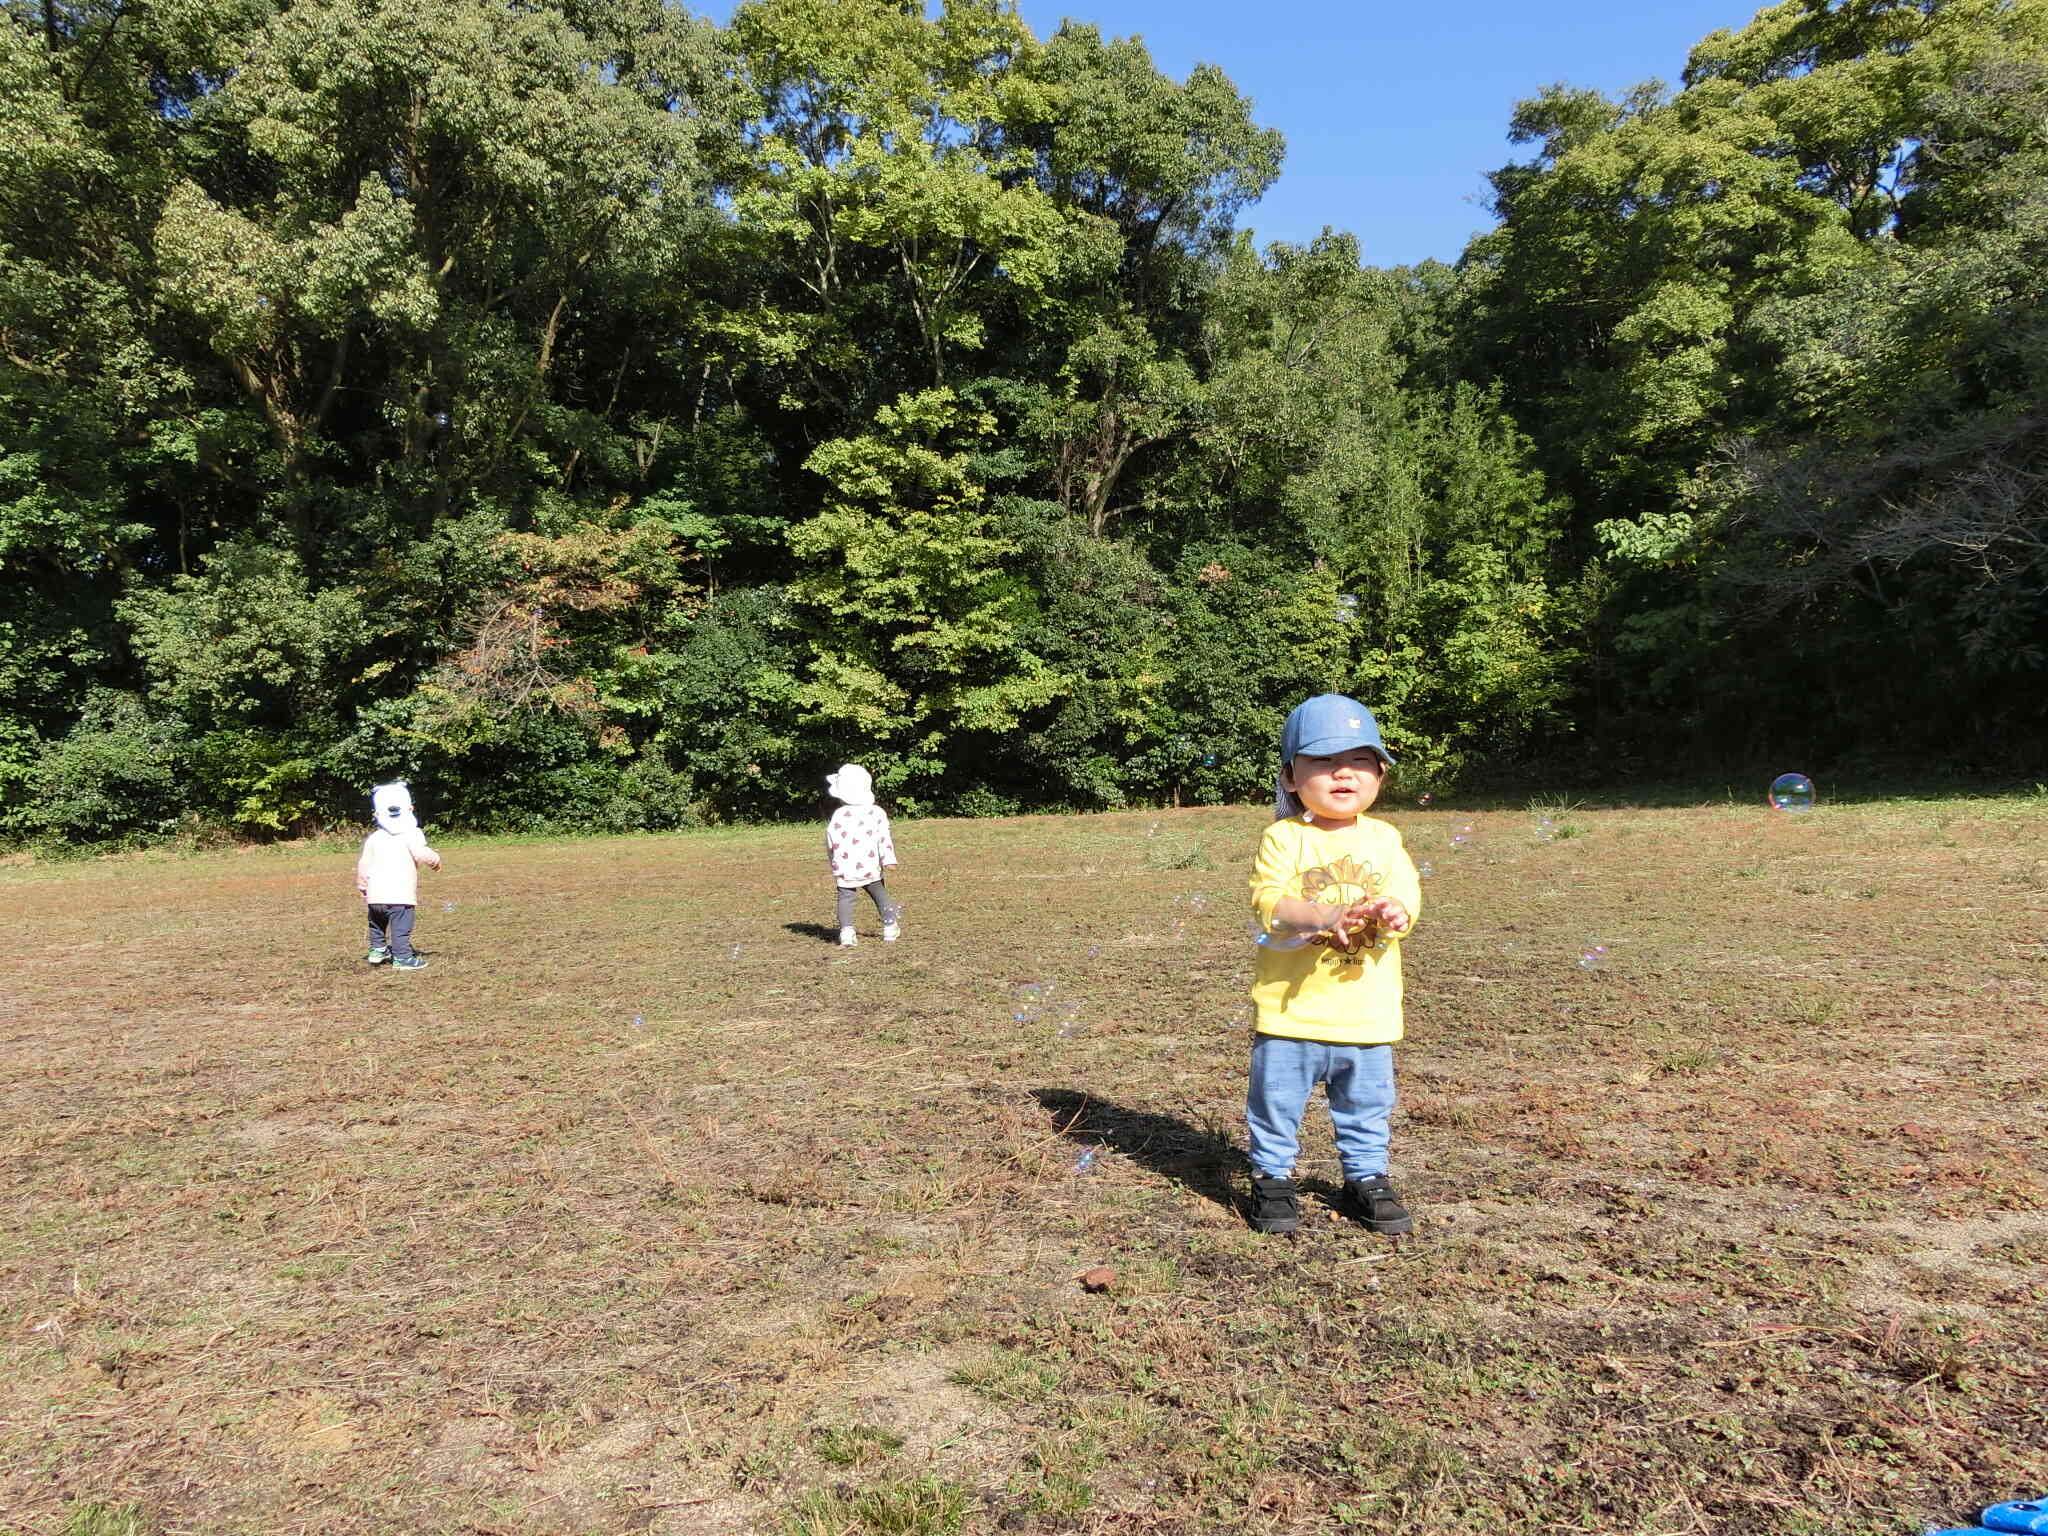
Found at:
[1339, 883]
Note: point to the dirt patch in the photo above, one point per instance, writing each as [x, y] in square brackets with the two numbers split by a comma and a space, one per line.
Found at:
[707, 1226]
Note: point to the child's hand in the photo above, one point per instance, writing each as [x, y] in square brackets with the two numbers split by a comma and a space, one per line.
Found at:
[1363, 922]
[1388, 913]
[1352, 926]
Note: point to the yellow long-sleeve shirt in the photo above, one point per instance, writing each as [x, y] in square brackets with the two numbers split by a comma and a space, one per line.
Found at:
[1316, 992]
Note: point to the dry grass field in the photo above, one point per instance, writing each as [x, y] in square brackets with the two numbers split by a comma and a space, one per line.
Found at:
[646, 1208]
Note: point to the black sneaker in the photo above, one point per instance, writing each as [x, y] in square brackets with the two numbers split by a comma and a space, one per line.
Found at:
[1275, 1207]
[1373, 1202]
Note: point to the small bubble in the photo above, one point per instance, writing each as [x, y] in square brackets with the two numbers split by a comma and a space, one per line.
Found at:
[1198, 902]
[1241, 1016]
[1347, 607]
[1094, 950]
[1153, 830]
[1030, 997]
[1428, 869]
[1085, 1162]
[1546, 830]
[638, 1023]
[1423, 801]
[447, 906]
[1594, 957]
[1209, 760]
[736, 951]
[1070, 1022]
[1791, 792]
[1461, 834]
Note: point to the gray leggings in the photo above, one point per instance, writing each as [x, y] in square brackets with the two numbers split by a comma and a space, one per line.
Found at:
[879, 890]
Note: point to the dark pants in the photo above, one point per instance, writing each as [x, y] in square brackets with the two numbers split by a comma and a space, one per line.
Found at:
[393, 918]
[879, 890]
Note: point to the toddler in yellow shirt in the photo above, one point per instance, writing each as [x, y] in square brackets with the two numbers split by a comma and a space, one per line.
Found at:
[1333, 894]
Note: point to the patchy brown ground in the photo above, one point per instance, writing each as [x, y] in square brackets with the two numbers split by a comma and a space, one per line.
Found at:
[647, 1209]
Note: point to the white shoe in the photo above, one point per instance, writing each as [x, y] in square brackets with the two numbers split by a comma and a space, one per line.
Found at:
[890, 932]
[847, 939]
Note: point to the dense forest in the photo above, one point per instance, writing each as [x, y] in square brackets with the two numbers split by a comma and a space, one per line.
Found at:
[606, 419]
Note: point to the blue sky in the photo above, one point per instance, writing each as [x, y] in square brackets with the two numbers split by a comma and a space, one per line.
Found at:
[1395, 112]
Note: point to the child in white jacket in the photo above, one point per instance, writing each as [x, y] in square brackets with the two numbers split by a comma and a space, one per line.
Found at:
[857, 842]
[387, 877]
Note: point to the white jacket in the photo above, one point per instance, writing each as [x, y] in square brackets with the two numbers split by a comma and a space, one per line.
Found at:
[388, 871]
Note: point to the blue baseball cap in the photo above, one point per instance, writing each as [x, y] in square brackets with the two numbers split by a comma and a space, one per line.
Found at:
[1328, 724]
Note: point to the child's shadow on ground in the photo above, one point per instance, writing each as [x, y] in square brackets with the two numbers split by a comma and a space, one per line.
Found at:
[812, 931]
[1203, 1160]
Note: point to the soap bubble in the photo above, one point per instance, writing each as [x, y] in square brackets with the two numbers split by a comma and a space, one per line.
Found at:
[638, 1023]
[1280, 937]
[736, 951]
[1085, 1162]
[1427, 869]
[1070, 1022]
[1029, 999]
[1594, 957]
[1422, 801]
[1208, 759]
[1241, 1016]
[1199, 902]
[1347, 607]
[1461, 834]
[447, 906]
[1094, 950]
[1546, 830]
[1791, 792]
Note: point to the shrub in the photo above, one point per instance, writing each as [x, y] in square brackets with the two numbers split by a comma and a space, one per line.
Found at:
[114, 778]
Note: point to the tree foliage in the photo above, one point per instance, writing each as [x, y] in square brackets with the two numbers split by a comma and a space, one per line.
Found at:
[608, 419]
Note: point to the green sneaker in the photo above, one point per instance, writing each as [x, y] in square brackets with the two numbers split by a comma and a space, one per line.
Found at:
[409, 963]
[377, 957]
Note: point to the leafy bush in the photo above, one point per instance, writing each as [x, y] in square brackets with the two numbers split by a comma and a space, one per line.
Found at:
[256, 782]
[117, 776]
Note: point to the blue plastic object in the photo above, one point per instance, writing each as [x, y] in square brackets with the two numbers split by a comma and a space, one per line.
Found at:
[2031, 1515]
[1964, 1530]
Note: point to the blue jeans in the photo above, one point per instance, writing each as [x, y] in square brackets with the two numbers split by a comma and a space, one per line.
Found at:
[1358, 1081]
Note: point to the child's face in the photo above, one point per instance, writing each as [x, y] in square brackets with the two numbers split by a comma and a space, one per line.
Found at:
[1336, 790]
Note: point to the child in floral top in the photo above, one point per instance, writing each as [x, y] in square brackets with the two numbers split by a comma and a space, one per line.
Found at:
[857, 842]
